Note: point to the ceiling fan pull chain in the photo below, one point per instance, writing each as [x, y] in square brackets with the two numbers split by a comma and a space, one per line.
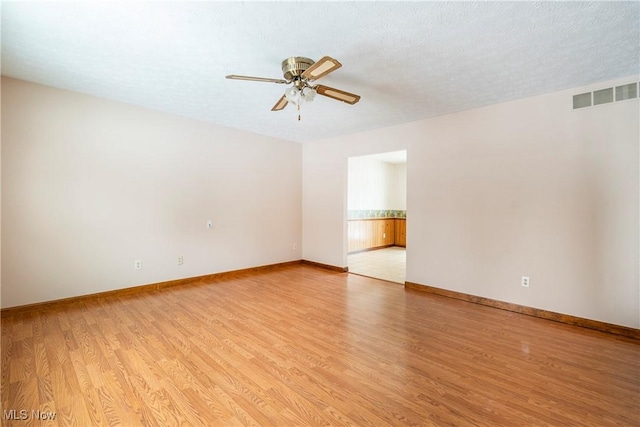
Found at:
[298, 111]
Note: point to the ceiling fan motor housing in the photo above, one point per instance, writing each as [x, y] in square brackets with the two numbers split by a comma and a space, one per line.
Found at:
[293, 67]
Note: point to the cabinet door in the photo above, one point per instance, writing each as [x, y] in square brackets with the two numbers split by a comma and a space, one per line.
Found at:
[362, 235]
[352, 236]
[389, 232]
[401, 232]
[365, 235]
[372, 233]
[359, 235]
[378, 233]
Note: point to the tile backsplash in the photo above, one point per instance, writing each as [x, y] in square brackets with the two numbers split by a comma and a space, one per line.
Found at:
[373, 213]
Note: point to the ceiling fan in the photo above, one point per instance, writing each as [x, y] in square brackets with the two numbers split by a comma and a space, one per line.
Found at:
[302, 72]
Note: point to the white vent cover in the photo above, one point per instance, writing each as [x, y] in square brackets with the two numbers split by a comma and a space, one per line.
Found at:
[626, 92]
[582, 100]
[605, 96]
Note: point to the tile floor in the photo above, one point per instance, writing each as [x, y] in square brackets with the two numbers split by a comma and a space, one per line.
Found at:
[387, 264]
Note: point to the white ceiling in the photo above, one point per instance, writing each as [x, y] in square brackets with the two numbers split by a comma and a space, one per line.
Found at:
[408, 60]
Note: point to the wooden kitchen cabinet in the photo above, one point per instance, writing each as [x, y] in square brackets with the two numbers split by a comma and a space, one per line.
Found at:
[356, 236]
[370, 233]
[401, 232]
[389, 232]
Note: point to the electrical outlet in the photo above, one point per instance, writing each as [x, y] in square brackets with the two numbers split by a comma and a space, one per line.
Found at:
[137, 264]
[209, 224]
[295, 246]
[525, 281]
[180, 260]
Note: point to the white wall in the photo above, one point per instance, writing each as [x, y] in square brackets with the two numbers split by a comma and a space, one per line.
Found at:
[375, 185]
[399, 189]
[528, 187]
[90, 185]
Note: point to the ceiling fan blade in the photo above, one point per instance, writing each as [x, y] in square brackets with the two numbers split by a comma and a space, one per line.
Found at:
[324, 66]
[256, 79]
[282, 102]
[340, 95]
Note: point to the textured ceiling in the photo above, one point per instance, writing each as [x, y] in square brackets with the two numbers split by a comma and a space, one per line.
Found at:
[408, 60]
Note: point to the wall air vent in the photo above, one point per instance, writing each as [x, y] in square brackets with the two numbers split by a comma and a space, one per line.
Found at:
[582, 100]
[626, 92]
[605, 96]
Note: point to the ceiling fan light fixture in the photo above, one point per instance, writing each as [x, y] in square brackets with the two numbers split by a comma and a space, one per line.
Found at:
[292, 94]
[297, 96]
[308, 93]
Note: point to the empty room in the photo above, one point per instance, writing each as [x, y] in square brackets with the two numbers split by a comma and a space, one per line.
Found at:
[178, 230]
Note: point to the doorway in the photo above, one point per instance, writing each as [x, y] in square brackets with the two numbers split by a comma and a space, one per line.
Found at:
[376, 215]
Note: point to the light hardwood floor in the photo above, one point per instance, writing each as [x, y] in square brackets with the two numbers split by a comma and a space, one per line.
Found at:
[386, 264]
[304, 346]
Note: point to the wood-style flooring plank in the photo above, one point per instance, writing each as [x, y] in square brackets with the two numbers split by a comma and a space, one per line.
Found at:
[299, 345]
